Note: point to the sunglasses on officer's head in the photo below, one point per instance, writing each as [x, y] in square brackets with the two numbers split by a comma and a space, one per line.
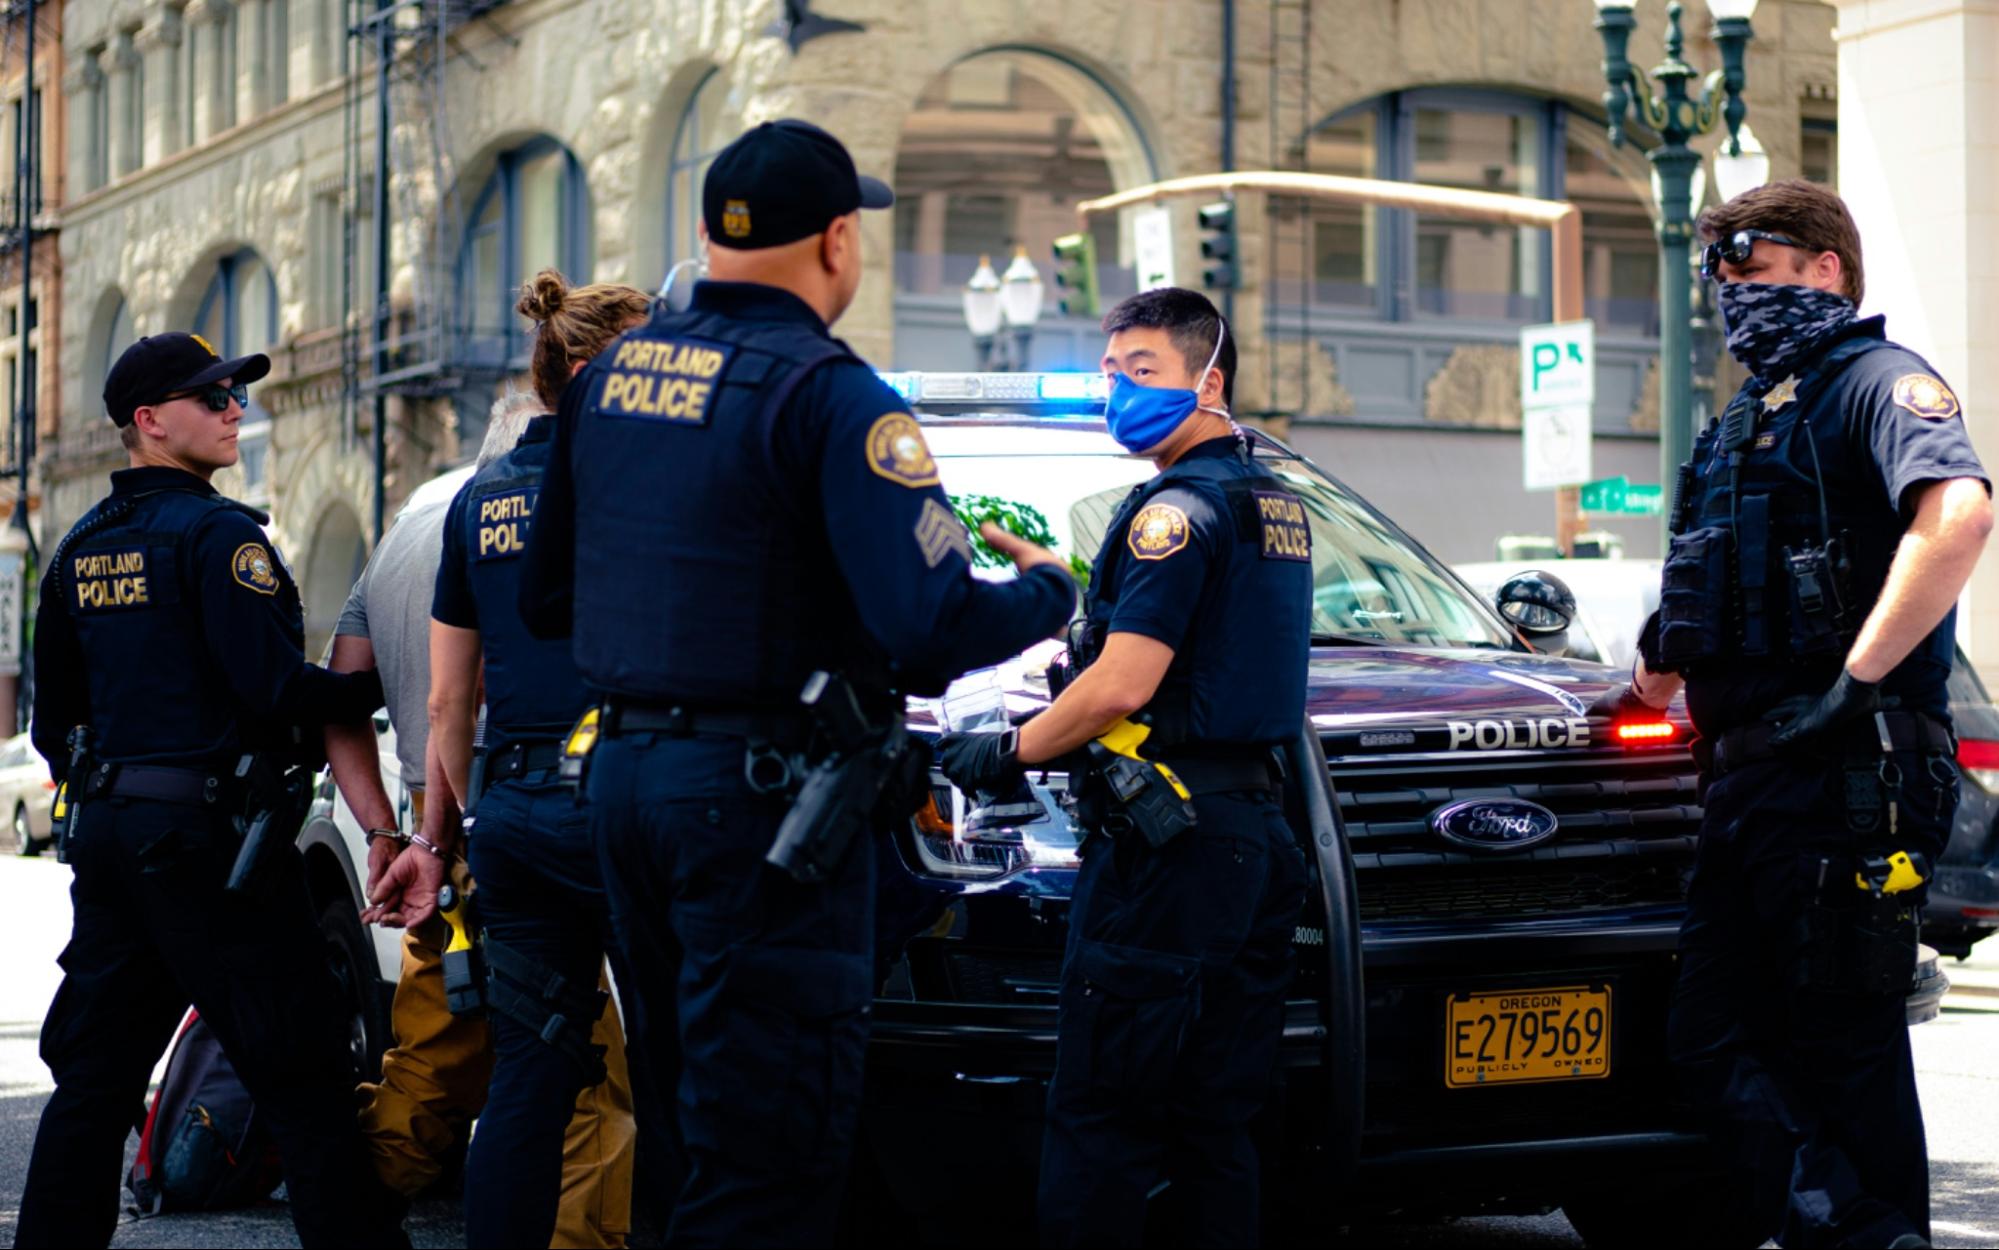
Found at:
[1736, 248]
[216, 396]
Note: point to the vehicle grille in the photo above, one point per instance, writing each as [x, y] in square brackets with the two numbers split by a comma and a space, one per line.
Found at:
[1627, 830]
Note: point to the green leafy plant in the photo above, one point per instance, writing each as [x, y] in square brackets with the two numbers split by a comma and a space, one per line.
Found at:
[1024, 520]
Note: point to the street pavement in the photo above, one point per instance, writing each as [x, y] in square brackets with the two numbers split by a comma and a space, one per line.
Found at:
[1957, 1058]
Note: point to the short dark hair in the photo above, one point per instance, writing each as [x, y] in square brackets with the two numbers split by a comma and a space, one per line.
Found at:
[1813, 215]
[1191, 323]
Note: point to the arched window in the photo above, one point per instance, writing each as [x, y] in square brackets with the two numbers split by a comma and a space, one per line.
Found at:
[533, 213]
[705, 129]
[238, 315]
[996, 154]
[114, 334]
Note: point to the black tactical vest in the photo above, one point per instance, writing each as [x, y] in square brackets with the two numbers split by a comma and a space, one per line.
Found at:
[156, 692]
[533, 690]
[703, 573]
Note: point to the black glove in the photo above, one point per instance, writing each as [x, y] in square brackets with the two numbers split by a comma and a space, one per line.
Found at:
[981, 763]
[1621, 701]
[1805, 720]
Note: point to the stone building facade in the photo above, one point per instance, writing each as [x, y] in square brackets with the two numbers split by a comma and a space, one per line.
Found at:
[228, 154]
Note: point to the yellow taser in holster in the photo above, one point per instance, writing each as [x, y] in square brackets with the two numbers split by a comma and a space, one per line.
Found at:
[576, 748]
[464, 963]
[1146, 796]
[1891, 874]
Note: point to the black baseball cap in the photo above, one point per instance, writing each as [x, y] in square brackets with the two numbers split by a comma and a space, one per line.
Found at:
[160, 365]
[780, 182]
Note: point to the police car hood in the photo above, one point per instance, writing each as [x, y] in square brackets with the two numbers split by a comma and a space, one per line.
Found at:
[1385, 699]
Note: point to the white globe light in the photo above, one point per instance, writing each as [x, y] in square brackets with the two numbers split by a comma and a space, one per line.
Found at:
[1735, 174]
[1021, 290]
[1722, 10]
[982, 301]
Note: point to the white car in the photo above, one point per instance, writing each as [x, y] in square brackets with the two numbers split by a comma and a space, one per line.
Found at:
[27, 793]
[1613, 598]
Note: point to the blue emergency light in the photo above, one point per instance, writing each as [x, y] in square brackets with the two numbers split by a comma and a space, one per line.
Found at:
[1074, 388]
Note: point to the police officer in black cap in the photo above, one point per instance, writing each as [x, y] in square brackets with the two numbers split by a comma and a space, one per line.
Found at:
[735, 502]
[1822, 533]
[168, 649]
[1193, 655]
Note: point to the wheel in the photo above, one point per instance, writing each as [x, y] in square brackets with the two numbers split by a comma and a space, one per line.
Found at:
[24, 841]
[1669, 1212]
[353, 964]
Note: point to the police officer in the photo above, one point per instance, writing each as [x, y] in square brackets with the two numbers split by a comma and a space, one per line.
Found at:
[169, 635]
[1198, 628]
[736, 502]
[1823, 531]
[541, 899]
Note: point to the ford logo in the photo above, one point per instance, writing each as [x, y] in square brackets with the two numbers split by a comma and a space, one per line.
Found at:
[1494, 824]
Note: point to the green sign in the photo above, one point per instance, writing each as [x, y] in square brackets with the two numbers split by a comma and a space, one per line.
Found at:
[1617, 496]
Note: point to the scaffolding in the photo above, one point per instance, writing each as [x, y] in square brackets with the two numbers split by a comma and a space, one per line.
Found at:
[400, 173]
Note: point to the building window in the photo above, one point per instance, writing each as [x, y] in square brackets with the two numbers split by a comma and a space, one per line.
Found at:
[1403, 266]
[11, 373]
[98, 152]
[114, 336]
[995, 156]
[1818, 150]
[278, 48]
[533, 214]
[705, 129]
[238, 314]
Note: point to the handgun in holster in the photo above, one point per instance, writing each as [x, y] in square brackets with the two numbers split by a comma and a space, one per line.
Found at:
[277, 804]
[576, 749]
[1146, 797]
[464, 960]
[866, 765]
[62, 815]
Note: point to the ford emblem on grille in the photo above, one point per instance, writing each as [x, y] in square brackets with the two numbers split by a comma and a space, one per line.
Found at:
[1494, 824]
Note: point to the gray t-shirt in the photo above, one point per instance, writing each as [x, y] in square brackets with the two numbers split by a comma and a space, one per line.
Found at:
[390, 607]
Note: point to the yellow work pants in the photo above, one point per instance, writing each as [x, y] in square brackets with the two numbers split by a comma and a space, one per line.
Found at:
[434, 1083]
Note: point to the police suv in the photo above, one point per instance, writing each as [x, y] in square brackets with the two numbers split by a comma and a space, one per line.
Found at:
[1486, 958]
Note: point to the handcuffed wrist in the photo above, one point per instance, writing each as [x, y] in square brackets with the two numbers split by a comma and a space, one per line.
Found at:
[420, 841]
[396, 835]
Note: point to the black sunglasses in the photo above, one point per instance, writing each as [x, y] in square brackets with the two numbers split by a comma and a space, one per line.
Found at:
[1736, 248]
[216, 396]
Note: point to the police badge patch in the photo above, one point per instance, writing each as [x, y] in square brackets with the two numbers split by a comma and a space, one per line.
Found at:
[736, 218]
[1925, 396]
[1159, 530]
[896, 451]
[253, 567]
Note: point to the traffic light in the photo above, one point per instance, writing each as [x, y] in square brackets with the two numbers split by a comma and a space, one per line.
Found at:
[1218, 252]
[1076, 274]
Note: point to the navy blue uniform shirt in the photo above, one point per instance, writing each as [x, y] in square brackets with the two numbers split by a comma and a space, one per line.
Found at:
[199, 634]
[1883, 425]
[742, 519]
[1228, 588]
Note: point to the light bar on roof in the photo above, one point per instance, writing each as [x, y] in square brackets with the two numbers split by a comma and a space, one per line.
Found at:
[973, 388]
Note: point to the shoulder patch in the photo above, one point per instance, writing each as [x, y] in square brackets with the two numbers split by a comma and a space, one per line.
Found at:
[896, 451]
[940, 533]
[253, 567]
[1925, 396]
[1159, 530]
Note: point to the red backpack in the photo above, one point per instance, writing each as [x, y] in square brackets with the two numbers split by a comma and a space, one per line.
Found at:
[203, 1147]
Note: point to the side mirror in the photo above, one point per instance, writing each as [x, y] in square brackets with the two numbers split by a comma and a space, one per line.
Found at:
[1541, 608]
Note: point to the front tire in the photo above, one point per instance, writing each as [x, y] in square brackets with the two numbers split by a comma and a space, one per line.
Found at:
[24, 838]
[352, 960]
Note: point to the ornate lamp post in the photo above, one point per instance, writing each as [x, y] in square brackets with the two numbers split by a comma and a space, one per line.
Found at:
[1675, 117]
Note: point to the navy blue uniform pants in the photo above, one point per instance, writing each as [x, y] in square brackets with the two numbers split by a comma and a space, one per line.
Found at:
[1812, 1091]
[154, 931]
[755, 987]
[1172, 1009]
[541, 896]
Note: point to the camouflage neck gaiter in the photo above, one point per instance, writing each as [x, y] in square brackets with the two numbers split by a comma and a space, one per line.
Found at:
[1772, 328]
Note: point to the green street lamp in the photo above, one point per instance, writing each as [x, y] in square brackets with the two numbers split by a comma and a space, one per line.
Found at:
[1675, 117]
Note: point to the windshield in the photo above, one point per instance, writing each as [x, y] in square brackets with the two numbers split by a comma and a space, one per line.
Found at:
[1369, 581]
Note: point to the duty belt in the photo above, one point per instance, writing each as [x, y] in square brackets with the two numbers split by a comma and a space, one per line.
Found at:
[679, 721]
[158, 782]
[521, 759]
[1211, 774]
[1748, 744]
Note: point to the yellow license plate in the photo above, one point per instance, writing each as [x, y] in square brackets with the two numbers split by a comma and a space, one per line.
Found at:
[1523, 1036]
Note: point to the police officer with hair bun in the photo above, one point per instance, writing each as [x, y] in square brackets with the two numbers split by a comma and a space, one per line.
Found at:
[168, 643]
[1821, 535]
[734, 504]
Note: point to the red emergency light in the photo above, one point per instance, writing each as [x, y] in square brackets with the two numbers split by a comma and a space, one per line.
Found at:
[1644, 732]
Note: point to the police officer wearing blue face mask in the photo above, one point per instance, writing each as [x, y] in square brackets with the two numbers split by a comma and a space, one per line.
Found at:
[168, 646]
[734, 503]
[1196, 639]
[1822, 533]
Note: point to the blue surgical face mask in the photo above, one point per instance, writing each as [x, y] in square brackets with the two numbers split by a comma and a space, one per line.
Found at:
[1142, 417]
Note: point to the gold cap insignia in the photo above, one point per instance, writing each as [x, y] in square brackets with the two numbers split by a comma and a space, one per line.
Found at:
[736, 219]
[1925, 396]
[896, 451]
[205, 346]
[253, 567]
[1159, 530]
